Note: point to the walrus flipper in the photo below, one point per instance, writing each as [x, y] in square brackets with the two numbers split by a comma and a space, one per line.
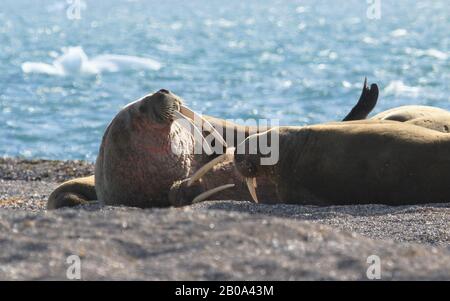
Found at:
[73, 193]
[366, 103]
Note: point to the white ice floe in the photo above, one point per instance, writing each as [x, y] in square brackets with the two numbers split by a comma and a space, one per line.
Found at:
[74, 61]
[436, 54]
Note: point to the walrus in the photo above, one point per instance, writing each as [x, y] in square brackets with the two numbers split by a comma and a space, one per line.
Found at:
[359, 162]
[136, 165]
[425, 116]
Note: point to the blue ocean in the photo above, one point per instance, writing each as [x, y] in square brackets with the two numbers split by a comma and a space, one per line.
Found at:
[301, 61]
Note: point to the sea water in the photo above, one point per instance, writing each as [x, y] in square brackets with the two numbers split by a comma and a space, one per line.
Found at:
[68, 66]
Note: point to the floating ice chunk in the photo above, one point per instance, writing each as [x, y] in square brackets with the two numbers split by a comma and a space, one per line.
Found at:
[436, 54]
[115, 63]
[74, 61]
[31, 67]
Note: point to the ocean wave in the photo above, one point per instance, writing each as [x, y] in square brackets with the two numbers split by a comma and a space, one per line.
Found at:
[224, 23]
[74, 61]
[399, 33]
[398, 88]
[434, 53]
[270, 57]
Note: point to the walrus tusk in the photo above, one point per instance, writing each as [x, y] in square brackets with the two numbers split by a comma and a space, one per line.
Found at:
[251, 185]
[198, 136]
[208, 166]
[207, 194]
[208, 126]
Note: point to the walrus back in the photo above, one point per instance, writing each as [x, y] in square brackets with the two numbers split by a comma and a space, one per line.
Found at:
[386, 163]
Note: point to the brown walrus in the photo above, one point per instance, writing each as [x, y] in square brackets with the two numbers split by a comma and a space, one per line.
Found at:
[137, 166]
[360, 162]
[424, 116]
[137, 162]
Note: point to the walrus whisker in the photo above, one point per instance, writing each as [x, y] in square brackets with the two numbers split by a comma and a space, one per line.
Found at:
[251, 185]
[208, 126]
[198, 136]
[202, 197]
[208, 166]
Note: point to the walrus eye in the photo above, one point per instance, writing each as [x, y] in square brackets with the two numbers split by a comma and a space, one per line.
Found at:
[251, 168]
[247, 167]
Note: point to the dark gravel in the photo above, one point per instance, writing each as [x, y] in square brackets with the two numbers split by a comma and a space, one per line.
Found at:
[43, 170]
[210, 241]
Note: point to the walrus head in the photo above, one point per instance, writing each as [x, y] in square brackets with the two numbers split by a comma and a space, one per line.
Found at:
[251, 159]
[147, 147]
[160, 107]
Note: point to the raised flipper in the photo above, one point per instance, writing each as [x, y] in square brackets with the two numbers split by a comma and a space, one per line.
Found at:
[366, 103]
[73, 193]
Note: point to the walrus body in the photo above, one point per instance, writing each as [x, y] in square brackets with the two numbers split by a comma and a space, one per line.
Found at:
[144, 151]
[136, 165]
[361, 162]
[428, 117]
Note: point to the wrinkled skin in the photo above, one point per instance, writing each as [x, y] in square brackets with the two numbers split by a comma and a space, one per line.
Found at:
[360, 162]
[401, 122]
[137, 167]
[428, 117]
[136, 162]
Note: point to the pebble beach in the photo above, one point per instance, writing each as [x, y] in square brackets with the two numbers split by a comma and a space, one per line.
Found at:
[220, 240]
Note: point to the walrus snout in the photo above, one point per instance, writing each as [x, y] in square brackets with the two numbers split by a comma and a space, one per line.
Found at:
[164, 107]
[160, 106]
[230, 154]
[246, 165]
[246, 156]
[164, 91]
